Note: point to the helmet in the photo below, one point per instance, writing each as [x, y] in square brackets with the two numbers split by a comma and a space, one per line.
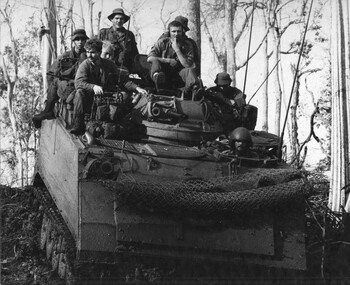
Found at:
[241, 134]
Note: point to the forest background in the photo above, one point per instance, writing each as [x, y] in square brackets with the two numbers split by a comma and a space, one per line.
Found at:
[251, 40]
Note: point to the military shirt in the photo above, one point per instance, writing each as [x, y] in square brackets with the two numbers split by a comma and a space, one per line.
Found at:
[229, 93]
[196, 55]
[106, 74]
[163, 48]
[124, 43]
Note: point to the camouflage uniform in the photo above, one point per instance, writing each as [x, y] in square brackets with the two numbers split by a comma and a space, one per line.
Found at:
[125, 47]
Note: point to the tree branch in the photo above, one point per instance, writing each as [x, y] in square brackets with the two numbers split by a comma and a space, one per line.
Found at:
[253, 53]
[311, 134]
[210, 38]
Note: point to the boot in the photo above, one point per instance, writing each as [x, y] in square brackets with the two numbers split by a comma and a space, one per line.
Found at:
[78, 126]
[46, 114]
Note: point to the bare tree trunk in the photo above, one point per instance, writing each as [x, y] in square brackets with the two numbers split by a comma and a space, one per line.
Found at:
[194, 20]
[91, 20]
[264, 110]
[340, 107]
[82, 14]
[48, 39]
[274, 77]
[294, 142]
[276, 82]
[229, 41]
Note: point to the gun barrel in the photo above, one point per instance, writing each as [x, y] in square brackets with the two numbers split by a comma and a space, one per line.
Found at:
[172, 113]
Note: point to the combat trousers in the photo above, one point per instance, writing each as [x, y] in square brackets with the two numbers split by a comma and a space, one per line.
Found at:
[186, 75]
[82, 102]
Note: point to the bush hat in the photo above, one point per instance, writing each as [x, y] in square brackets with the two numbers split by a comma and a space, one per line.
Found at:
[223, 78]
[183, 21]
[79, 33]
[118, 11]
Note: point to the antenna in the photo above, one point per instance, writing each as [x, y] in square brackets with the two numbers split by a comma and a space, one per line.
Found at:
[250, 40]
[264, 81]
[295, 76]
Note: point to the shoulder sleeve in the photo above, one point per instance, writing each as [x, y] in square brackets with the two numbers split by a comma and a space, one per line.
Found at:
[164, 35]
[157, 48]
[82, 77]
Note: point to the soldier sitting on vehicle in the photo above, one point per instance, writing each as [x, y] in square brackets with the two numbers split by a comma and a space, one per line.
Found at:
[95, 76]
[229, 101]
[227, 94]
[173, 58]
[196, 56]
[61, 76]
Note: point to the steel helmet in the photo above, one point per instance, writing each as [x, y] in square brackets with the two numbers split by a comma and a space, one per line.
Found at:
[241, 134]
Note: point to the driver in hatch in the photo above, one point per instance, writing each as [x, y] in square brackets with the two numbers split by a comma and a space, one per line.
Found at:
[241, 142]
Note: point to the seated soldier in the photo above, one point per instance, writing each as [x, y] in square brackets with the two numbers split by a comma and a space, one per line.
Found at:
[95, 76]
[61, 76]
[241, 142]
[172, 58]
[196, 56]
[229, 95]
[229, 101]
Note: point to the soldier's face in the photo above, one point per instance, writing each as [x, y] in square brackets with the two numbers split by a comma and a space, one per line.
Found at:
[175, 32]
[241, 147]
[118, 21]
[93, 55]
[79, 44]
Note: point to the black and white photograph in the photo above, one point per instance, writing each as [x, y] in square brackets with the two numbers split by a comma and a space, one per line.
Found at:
[174, 142]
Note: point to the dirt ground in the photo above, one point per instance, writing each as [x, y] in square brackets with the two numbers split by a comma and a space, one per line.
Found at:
[22, 262]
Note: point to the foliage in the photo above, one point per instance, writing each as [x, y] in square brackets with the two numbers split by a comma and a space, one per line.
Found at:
[27, 93]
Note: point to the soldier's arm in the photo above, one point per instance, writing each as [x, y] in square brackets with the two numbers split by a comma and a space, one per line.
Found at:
[185, 57]
[82, 77]
[156, 53]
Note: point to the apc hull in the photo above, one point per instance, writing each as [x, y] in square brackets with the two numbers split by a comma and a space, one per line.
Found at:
[108, 224]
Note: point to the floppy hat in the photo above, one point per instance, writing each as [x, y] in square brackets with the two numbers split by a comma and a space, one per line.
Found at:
[79, 33]
[223, 78]
[183, 21]
[118, 11]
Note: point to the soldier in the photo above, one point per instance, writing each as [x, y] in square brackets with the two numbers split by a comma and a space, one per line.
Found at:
[241, 142]
[173, 58]
[95, 76]
[61, 76]
[196, 57]
[229, 95]
[123, 41]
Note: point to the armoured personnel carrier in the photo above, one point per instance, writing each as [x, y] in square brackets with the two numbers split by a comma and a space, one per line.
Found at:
[149, 185]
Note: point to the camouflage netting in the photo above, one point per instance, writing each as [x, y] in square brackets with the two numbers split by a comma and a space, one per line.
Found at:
[221, 196]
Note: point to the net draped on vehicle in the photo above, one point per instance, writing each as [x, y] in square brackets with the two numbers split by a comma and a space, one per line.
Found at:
[245, 193]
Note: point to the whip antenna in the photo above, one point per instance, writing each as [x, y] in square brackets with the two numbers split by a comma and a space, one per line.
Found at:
[295, 76]
[250, 40]
[264, 81]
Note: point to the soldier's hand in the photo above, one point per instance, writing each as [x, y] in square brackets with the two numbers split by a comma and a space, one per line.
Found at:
[98, 89]
[172, 62]
[141, 91]
[175, 44]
